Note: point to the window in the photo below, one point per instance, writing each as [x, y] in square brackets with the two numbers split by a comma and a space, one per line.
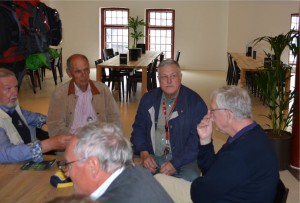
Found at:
[294, 26]
[160, 30]
[114, 30]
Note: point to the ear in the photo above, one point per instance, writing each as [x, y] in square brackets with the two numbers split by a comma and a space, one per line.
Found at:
[93, 167]
[69, 73]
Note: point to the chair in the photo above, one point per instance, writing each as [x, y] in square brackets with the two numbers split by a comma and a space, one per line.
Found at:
[281, 193]
[177, 56]
[229, 70]
[105, 77]
[112, 77]
[236, 73]
[133, 79]
[34, 75]
[108, 53]
[54, 64]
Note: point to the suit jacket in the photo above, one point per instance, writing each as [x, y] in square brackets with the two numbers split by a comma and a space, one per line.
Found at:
[135, 185]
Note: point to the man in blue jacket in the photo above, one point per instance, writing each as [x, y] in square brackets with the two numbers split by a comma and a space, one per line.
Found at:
[164, 132]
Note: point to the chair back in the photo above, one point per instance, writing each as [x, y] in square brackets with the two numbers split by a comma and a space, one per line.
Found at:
[108, 53]
[177, 56]
[281, 193]
[161, 57]
[98, 61]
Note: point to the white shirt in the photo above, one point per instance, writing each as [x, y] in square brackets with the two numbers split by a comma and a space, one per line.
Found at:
[84, 111]
[100, 191]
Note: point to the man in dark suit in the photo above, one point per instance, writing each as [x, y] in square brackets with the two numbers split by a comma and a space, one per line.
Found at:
[99, 162]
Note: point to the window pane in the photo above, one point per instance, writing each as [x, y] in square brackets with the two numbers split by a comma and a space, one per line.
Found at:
[116, 37]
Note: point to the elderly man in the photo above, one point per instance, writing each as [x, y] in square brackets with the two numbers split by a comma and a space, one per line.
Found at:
[99, 162]
[164, 131]
[245, 169]
[17, 126]
[80, 101]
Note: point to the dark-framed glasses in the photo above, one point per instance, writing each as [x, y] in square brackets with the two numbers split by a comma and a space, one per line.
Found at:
[64, 165]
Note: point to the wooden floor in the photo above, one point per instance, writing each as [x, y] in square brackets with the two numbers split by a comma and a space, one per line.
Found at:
[203, 82]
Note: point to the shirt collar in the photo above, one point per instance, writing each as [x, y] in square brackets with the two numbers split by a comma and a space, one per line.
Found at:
[101, 190]
[71, 90]
[241, 132]
[8, 110]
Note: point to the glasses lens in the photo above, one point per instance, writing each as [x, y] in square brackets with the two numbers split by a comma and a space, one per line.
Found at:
[62, 165]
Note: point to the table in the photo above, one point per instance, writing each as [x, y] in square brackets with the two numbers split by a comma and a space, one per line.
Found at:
[246, 63]
[141, 63]
[29, 186]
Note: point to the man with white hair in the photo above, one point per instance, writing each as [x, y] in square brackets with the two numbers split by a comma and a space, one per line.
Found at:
[99, 162]
[245, 169]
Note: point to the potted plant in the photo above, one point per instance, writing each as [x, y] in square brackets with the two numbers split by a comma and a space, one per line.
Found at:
[134, 24]
[272, 83]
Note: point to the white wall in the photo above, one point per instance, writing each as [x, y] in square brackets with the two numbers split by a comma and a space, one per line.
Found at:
[249, 20]
[204, 30]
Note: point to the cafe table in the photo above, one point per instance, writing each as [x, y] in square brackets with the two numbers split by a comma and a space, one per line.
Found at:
[24, 186]
[247, 64]
[141, 63]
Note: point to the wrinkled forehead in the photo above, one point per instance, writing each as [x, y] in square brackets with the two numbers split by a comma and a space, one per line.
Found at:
[8, 81]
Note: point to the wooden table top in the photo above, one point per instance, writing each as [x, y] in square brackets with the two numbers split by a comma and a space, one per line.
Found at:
[23, 186]
[143, 61]
[248, 63]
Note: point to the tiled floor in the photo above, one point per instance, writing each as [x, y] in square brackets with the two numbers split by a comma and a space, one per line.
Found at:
[203, 82]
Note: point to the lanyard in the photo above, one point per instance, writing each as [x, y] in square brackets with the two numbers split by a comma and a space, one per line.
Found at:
[167, 118]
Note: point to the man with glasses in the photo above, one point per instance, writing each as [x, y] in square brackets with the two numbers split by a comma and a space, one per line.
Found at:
[80, 101]
[99, 162]
[18, 127]
[245, 169]
[164, 131]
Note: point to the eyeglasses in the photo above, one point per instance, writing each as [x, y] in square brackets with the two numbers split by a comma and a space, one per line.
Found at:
[221, 109]
[166, 77]
[64, 165]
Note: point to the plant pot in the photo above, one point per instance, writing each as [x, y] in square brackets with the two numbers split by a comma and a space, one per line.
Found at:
[282, 146]
[134, 54]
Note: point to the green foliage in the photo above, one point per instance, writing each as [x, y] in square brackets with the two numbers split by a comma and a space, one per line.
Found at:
[38, 60]
[272, 81]
[134, 24]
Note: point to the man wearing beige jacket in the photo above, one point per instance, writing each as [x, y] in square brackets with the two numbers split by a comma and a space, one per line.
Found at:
[80, 100]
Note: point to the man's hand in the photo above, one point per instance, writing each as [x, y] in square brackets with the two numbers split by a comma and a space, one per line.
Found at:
[204, 129]
[148, 162]
[55, 142]
[167, 168]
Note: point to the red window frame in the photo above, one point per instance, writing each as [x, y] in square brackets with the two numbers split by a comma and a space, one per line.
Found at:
[104, 26]
[151, 27]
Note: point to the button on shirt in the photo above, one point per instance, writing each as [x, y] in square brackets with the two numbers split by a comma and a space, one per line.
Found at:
[84, 111]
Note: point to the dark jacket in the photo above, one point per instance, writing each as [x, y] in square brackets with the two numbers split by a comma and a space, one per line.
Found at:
[244, 171]
[183, 129]
[135, 185]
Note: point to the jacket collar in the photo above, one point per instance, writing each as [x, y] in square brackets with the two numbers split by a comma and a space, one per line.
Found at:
[71, 90]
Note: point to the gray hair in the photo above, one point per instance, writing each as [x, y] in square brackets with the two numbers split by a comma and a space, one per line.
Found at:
[106, 142]
[6, 73]
[70, 60]
[235, 99]
[168, 62]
